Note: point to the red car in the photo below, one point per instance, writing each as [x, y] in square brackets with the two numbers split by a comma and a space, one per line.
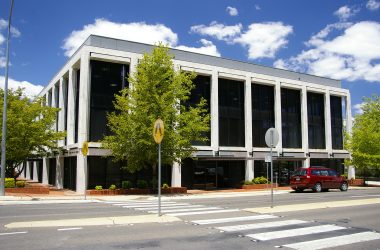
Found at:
[318, 179]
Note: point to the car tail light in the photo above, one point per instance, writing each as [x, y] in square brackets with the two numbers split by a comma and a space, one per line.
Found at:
[308, 176]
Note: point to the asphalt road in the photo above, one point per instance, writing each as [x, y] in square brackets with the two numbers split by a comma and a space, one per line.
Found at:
[186, 234]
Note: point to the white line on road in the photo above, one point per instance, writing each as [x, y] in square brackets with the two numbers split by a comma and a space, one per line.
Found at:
[69, 229]
[335, 241]
[235, 219]
[368, 195]
[11, 233]
[169, 207]
[186, 209]
[295, 232]
[154, 205]
[204, 212]
[261, 225]
[143, 204]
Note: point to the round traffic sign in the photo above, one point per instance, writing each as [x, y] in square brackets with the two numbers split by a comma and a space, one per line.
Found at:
[158, 131]
[271, 137]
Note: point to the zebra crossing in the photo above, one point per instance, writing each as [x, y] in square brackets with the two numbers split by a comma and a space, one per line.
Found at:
[277, 231]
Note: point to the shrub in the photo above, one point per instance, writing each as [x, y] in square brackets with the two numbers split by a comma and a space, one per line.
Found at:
[99, 187]
[20, 184]
[112, 187]
[9, 182]
[246, 182]
[142, 184]
[126, 184]
[260, 180]
[165, 185]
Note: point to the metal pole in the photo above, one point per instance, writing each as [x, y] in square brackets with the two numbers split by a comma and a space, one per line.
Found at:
[4, 127]
[86, 178]
[271, 169]
[159, 179]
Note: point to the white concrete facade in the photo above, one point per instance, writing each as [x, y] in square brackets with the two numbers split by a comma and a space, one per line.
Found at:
[66, 78]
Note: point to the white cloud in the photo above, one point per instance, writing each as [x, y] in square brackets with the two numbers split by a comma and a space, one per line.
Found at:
[137, 32]
[232, 11]
[31, 90]
[345, 12]
[218, 30]
[352, 55]
[264, 39]
[14, 31]
[358, 108]
[317, 39]
[373, 5]
[208, 48]
[257, 7]
[2, 62]
[2, 39]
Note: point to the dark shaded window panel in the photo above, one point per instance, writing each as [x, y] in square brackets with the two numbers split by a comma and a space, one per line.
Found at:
[336, 122]
[291, 118]
[231, 113]
[107, 79]
[262, 113]
[316, 120]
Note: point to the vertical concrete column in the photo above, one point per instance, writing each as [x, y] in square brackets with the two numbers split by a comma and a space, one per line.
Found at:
[45, 170]
[28, 169]
[35, 171]
[60, 161]
[214, 111]
[249, 170]
[348, 113]
[53, 100]
[133, 67]
[277, 111]
[176, 174]
[304, 121]
[306, 162]
[71, 106]
[248, 113]
[81, 173]
[84, 97]
[61, 106]
[328, 123]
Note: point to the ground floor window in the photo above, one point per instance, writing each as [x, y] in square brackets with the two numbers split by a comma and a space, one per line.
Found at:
[70, 173]
[52, 170]
[282, 170]
[337, 164]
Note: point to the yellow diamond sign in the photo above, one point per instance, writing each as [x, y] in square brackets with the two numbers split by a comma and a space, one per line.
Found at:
[158, 131]
[85, 148]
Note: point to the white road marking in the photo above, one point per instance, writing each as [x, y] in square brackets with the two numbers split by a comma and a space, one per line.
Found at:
[169, 207]
[294, 232]
[204, 212]
[69, 229]
[335, 241]
[186, 209]
[12, 233]
[261, 225]
[143, 204]
[368, 195]
[154, 205]
[235, 219]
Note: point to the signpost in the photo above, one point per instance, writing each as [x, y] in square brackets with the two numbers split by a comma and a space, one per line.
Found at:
[85, 153]
[271, 139]
[158, 135]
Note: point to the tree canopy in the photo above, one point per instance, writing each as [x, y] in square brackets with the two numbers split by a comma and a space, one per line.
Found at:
[157, 90]
[30, 131]
[364, 143]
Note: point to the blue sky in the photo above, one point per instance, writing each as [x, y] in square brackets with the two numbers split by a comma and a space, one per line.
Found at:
[335, 39]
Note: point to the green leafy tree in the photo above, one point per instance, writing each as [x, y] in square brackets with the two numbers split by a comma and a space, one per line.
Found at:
[364, 143]
[157, 91]
[29, 130]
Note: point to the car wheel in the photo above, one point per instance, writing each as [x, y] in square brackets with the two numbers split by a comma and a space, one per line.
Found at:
[317, 187]
[344, 186]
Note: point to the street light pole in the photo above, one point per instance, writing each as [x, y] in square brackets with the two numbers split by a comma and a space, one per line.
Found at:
[4, 128]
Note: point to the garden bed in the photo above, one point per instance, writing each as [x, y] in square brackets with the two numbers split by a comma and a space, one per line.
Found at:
[258, 186]
[137, 191]
[28, 190]
[356, 182]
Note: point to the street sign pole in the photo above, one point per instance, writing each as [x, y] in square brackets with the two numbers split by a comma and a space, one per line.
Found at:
[159, 179]
[158, 135]
[271, 169]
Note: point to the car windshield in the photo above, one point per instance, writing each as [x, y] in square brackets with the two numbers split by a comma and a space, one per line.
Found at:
[299, 172]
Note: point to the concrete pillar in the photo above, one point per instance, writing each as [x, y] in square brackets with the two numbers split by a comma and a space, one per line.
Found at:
[328, 138]
[306, 162]
[248, 113]
[71, 106]
[45, 170]
[351, 172]
[35, 171]
[348, 113]
[278, 119]
[214, 112]
[61, 106]
[84, 97]
[81, 174]
[249, 170]
[28, 169]
[59, 172]
[176, 174]
[304, 121]
[133, 68]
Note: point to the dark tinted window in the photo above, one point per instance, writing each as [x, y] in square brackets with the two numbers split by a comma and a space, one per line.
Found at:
[332, 172]
[315, 172]
[231, 113]
[107, 79]
[316, 120]
[324, 173]
[336, 122]
[262, 113]
[300, 172]
[291, 118]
